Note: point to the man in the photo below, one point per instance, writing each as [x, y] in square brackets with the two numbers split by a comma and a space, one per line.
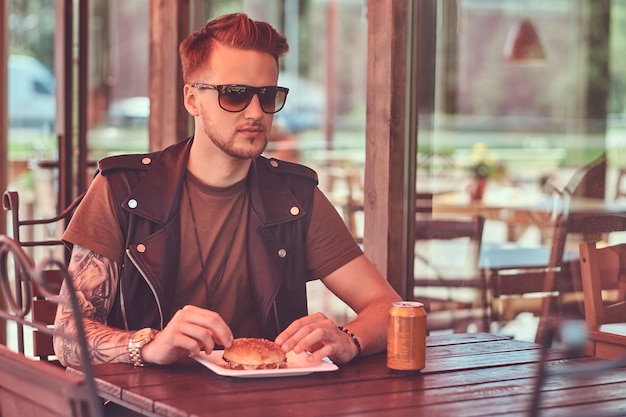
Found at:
[182, 250]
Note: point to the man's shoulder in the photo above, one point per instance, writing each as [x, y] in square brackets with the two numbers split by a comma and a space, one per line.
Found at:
[140, 161]
[126, 162]
[281, 167]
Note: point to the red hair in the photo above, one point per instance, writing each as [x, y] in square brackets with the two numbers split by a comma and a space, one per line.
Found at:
[235, 30]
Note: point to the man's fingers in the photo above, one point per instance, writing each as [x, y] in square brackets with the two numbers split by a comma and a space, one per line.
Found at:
[209, 320]
[289, 337]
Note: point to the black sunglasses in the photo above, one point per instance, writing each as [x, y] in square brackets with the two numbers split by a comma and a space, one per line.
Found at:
[236, 97]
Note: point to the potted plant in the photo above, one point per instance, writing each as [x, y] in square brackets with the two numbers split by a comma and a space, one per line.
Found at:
[482, 167]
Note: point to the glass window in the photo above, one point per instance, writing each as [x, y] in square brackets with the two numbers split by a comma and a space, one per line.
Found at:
[118, 100]
[521, 112]
[31, 103]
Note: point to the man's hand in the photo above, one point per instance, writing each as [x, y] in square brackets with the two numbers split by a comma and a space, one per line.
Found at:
[320, 336]
[191, 330]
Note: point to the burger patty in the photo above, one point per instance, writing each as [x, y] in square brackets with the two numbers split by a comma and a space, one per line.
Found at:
[247, 367]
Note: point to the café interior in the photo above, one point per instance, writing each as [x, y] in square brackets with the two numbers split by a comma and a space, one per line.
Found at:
[472, 147]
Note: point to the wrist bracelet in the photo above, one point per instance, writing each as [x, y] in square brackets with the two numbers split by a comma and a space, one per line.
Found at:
[353, 337]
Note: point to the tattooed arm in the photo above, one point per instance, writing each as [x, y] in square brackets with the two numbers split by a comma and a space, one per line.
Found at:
[95, 279]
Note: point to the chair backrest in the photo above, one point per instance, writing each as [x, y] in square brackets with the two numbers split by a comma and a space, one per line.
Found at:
[21, 227]
[620, 186]
[30, 234]
[28, 386]
[447, 278]
[447, 229]
[431, 232]
[35, 388]
[603, 273]
[424, 204]
[436, 229]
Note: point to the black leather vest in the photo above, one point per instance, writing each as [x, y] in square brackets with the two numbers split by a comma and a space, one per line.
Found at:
[147, 190]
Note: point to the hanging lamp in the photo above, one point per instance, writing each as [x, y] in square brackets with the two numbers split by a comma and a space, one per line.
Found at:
[523, 44]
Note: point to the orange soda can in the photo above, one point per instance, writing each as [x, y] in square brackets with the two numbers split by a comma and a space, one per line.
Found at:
[406, 336]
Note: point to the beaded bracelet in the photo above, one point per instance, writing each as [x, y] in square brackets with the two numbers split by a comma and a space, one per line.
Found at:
[353, 337]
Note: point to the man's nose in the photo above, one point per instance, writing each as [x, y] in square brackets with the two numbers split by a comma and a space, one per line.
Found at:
[254, 109]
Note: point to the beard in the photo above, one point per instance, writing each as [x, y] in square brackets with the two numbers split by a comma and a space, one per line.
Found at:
[229, 146]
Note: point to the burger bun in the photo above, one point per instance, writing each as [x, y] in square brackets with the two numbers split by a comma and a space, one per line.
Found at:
[248, 353]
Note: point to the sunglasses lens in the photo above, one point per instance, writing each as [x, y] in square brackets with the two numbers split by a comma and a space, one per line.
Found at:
[235, 97]
[273, 99]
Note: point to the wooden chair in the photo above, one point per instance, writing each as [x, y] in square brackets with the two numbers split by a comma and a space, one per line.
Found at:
[343, 183]
[588, 182]
[620, 187]
[35, 234]
[516, 280]
[447, 308]
[589, 227]
[31, 387]
[423, 205]
[603, 272]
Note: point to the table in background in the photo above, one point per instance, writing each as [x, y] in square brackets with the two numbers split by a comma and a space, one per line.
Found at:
[516, 209]
[467, 374]
[520, 212]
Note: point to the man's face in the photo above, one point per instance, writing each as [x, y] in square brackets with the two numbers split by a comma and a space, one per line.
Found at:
[243, 134]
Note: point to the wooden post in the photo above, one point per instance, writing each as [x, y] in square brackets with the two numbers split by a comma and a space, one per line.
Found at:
[169, 25]
[596, 87]
[389, 202]
[4, 93]
[4, 56]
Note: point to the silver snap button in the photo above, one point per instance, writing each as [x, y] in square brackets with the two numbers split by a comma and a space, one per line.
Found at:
[274, 163]
[294, 211]
[282, 253]
[141, 248]
[146, 161]
[132, 203]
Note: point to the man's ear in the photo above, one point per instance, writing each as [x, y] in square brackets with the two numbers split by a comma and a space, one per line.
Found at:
[189, 99]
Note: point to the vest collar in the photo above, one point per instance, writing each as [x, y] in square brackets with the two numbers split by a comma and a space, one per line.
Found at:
[155, 194]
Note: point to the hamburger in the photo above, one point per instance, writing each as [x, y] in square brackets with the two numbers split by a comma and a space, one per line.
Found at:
[248, 353]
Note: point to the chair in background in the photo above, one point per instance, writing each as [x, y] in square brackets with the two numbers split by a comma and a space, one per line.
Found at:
[344, 186]
[589, 226]
[454, 297]
[620, 187]
[516, 277]
[31, 387]
[39, 234]
[423, 204]
[572, 219]
[603, 273]
[32, 233]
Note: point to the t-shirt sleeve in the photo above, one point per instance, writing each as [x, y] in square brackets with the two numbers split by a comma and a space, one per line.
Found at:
[330, 245]
[94, 225]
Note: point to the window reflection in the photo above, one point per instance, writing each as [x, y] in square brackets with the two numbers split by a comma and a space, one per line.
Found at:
[542, 136]
[119, 105]
[31, 104]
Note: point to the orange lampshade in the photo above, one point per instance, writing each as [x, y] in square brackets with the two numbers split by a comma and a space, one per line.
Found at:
[523, 44]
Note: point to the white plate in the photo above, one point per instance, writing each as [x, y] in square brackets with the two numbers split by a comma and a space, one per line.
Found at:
[296, 365]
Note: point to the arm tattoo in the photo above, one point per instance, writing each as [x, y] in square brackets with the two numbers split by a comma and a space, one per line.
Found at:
[95, 280]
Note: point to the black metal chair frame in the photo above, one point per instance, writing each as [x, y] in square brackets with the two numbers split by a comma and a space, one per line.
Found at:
[18, 309]
[11, 203]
